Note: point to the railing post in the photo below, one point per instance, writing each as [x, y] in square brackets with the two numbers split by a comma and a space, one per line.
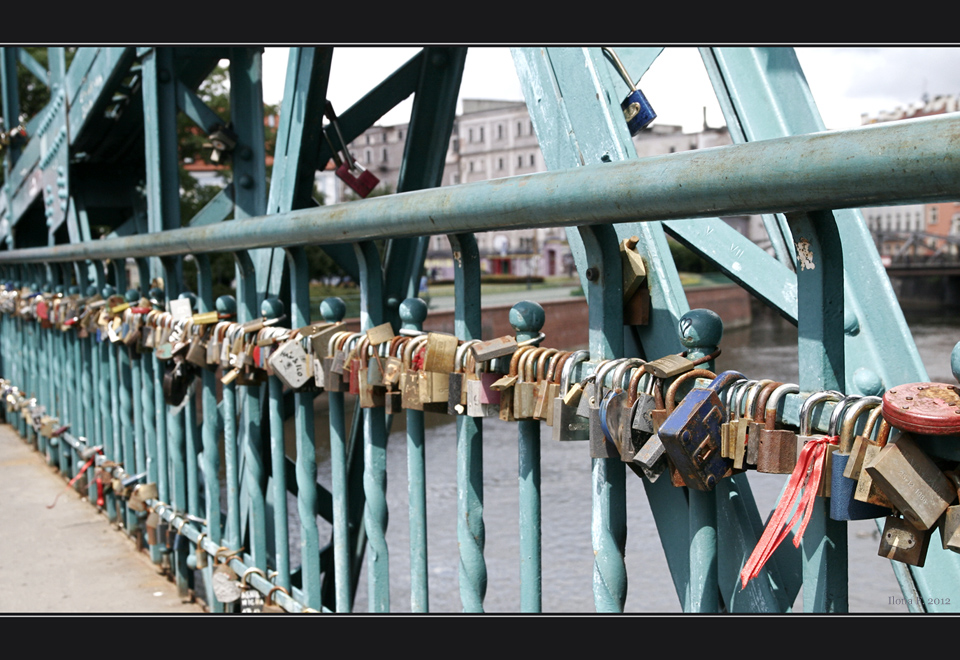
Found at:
[108, 367]
[272, 308]
[374, 442]
[129, 422]
[333, 309]
[527, 318]
[413, 311]
[307, 503]
[227, 309]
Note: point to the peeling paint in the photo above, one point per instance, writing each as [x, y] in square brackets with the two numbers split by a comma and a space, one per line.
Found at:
[736, 266]
[805, 255]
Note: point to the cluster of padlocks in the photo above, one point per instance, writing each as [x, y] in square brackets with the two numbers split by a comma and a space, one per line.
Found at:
[668, 415]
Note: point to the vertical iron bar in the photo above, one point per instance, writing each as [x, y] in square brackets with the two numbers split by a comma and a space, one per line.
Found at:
[471, 531]
[272, 308]
[413, 311]
[333, 309]
[307, 504]
[375, 441]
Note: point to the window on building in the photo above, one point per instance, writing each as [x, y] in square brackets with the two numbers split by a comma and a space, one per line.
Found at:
[471, 165]
[499, 163]
[481, 133]
[384, 154]
[499, 131]
[519, 161]
[455, 178]
[531, 127]
[955, 225]
[519, 128]
[368, 156]
[455, 145]
[531, 160]
[384, 136]
[933, 215]
[399, 135]
[368, 139]
[470, 135]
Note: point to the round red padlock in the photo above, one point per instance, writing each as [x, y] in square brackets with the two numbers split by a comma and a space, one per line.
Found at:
[925, 408]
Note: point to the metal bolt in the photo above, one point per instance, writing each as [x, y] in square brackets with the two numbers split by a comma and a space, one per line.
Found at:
[593, 274]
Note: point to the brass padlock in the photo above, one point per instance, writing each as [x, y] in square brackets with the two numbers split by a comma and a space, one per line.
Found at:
[757, 425]
[409, 377]
[903, 542]
[912, 482]
[860, 443]
[950, 522]
[867, 491]
[777, 451]
[506, 384]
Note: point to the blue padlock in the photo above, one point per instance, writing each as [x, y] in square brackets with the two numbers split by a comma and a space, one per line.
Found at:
[691, 434]
[637, 110]
[843, 506]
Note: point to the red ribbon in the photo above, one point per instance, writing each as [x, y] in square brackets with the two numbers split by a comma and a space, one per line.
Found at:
[801, 491]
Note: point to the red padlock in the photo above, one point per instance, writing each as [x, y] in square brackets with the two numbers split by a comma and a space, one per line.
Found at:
[348, 170]
[925, 408]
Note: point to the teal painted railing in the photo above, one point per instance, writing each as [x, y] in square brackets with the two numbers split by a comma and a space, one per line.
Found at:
[113, 168]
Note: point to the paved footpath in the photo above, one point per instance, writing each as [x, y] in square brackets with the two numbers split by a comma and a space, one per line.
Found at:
[68, 559]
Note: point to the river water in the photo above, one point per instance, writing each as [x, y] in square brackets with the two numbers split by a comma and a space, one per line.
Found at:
[766, 347]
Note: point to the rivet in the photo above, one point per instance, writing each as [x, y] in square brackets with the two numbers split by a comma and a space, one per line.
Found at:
[909, 398]
[905, 407]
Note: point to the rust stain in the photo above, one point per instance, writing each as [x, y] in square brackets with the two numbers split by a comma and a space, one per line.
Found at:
[805, 255]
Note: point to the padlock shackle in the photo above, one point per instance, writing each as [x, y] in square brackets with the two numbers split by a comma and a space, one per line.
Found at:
[738, 392]
[601, 373]
[540, 370]
[515, 360]
[770, 410]
[764, 396]
[850, 417]
[555, 366]
[459, 361]
[671, 396]
[616, 381]
[750, 407]
[806, 408]
[837, 413]
[577, 357]
[525, 368]
[618, 65]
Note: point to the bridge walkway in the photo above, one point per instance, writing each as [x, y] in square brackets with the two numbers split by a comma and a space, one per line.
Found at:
[69, 558]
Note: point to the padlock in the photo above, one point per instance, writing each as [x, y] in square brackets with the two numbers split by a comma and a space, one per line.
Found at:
[612, 410]
[867, 491]
[200, 553]
[505, 384]
[548, 383]
[833, 431]
[691, 434]
[924, 408]
[649, 453]
[409, 378]
[912, 482]
[731, 430]
[746, 424]
[636, 109]
[757, 408]
[482, 401]
[289, 363]
[860, 443]
[355, 364]
[348, 170]
[499, 347]
[804, 436]
[151, 523]
[903, 542]
[567, 425]
[440, 356]
[777, 453]
[950, 522]
[226, 583]
[334, 361]
[843, 506]
[393, 369]
[552, 386]
[601, 446]
[524, 391]
[457, 381]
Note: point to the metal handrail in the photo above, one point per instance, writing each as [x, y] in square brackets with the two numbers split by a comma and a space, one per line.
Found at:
[904, 162]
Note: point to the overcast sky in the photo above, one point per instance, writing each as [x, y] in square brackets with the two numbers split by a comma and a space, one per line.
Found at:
[845, 82]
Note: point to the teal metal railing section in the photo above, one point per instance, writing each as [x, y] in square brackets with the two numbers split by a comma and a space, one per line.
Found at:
[123, 418]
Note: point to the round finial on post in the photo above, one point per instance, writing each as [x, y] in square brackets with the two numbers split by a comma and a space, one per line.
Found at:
[527, 318]
[191, 296]
[91, 290]
[701, 330]
[226, 306]
[413, 312]
[867, 382]
[74, 290]
[17, 284]
[59, 289]
[333, 309]
[271, 308]
[955, 361]
[156, 297]
[108, 290]
[132, 296]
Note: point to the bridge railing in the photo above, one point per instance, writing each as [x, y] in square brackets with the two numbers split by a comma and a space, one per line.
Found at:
[132, 420]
